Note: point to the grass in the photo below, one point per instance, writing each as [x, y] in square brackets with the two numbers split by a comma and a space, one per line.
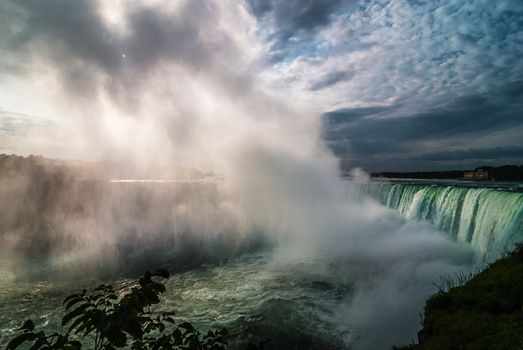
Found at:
[476, 312]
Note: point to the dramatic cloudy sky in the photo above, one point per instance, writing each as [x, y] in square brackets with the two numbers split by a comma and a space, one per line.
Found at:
[400, 84]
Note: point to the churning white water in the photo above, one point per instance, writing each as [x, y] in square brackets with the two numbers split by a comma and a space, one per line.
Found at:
[332, 270]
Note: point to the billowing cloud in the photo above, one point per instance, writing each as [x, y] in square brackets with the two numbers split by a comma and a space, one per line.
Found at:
[291, 23]
[425, 77]
[111, 71]
[91, 53]
[331, 78]
[457, 131]
[434, 75]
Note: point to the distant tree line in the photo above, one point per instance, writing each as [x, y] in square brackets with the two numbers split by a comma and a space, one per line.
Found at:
[501, 173]
[505, 172]
[453, 174]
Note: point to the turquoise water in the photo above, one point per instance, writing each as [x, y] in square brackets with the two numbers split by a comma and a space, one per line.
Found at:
[254, 298]
[487, 215]
[301, 302]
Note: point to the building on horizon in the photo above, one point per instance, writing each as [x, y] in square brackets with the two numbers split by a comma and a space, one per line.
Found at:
[477, 174]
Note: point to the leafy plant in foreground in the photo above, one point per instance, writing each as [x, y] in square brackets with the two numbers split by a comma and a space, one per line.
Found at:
[115, 322]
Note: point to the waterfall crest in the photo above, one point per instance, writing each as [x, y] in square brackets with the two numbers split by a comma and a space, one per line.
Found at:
[491, 220]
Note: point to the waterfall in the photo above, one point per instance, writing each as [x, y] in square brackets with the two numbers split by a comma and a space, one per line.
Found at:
[491, 220]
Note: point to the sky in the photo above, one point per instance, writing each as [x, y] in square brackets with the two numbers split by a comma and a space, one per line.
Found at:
[396, 85]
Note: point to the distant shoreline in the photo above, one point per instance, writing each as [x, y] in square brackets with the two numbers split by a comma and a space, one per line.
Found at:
[487, 173]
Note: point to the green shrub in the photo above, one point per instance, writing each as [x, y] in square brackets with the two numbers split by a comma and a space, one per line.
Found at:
[112, 321]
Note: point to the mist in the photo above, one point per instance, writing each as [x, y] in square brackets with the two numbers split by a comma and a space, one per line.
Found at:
[158, 86]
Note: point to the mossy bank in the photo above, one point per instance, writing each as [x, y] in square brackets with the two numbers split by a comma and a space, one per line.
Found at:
[484, 313]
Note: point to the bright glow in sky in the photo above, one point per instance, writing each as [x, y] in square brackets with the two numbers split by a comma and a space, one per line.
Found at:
[398, 85]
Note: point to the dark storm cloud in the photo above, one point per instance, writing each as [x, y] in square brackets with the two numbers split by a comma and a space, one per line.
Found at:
[464, 159]
[293, 21]
[295, 16]
[477, 154]
[69, 33]
[73, 37]
[368, 134]
[73, 26]
[464, 115]
[331, 78]
[260, 7]
[341, 116]
[452, 69]
[157, 36]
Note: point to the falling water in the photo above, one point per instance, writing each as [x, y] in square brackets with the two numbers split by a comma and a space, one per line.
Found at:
[490, 219]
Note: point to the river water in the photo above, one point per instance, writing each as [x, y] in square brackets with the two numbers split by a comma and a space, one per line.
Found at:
[261, 294]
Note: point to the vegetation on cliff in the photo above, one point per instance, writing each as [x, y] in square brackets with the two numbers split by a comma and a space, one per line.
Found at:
[484, 313]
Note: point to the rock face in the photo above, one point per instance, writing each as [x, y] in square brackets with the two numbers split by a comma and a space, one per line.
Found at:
[484, 313]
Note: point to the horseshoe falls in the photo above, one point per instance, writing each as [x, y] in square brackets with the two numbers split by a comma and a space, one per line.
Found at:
[489, 217]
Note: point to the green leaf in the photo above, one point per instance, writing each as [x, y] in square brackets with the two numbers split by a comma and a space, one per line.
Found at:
[152, 297]
[177, 335]
[71, 297]
[76, 344]
[73, 345]
[75, 313]
[158, 287]
[102, 287]
[14, 343]
[60, 342]
[39, 343]
[77, 322]
[117, 337]
[146, 279]
[28, 326]
[86, 326]
[187, 326]
[72, 302]
[97, 296]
